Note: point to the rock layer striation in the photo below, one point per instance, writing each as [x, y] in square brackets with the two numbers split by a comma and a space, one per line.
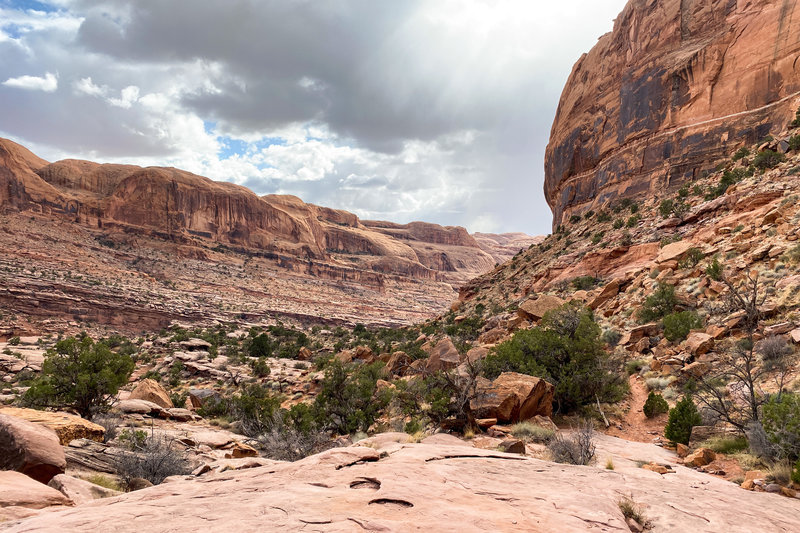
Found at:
[676, 87]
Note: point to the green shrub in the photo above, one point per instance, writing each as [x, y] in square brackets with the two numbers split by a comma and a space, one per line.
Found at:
[254, 407]
[14, 341]
[260, 346]
[349, 400]
[604, 216]
[659, 304]
[574, 219]
[655, 405]
[632, 221]
[727, 445]
[781, 420]
[796, 122]
[665, 208]
[714, 270]
[682, 418]
[618, 223]
[794, 142]
[683, 192]
[584, 283]
[611, 337]
[79, 374]
[741, 153]
[768, 159]
[678, 325]
[633, 367]
[260, 367]
[530, 432]
[796, 473]
[597, 237]
[566, 350]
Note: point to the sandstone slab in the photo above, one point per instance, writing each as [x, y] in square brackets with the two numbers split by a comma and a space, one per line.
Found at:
[68, 427]
[31, 449]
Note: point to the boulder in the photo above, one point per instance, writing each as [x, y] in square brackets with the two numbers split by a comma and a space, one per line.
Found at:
[696, 369]
[609, 291]
[80, 491]
[193, 345]
[657, 468]
[700, 457]
[674, 251]
[443, 356]
[536, 309]
[698, 343]
[198, 397]
[398, 363]
[513, 397]
[795, 335]
[139, 407]
[634, 335]
[18, 490]
[512, 446]
[68, 427]
[30, 448]
[237, 450]
[304, 354]
[151, 391]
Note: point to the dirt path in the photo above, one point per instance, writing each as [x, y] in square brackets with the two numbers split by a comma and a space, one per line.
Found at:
[634, 426]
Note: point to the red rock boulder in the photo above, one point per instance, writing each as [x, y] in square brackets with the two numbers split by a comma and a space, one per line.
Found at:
[31, 449]
[513, 397]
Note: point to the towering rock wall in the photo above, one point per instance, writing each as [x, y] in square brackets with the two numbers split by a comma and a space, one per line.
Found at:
[674, 88]
[178, 205]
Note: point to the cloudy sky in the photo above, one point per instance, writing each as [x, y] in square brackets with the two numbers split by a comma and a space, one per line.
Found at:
[401, 110]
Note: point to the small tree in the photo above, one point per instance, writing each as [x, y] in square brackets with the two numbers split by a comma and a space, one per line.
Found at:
[655, 405]
[349, 400]
[659, 304]
[678, 325]
[682, 418]
[782, 424]
[79, 374]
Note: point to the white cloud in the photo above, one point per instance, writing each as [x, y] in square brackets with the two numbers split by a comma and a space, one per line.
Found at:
[403, 110]
[48, 84]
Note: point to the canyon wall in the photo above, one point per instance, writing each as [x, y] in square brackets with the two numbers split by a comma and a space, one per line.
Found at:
[180, 206]
[676, 87]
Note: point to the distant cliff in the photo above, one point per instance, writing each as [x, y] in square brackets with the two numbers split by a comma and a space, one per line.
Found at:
[674, 88]
[174, 204]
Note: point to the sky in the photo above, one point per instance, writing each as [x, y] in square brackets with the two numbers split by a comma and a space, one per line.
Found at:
[401, 110]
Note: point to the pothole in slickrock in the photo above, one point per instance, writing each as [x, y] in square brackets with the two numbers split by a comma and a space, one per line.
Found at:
[365, 483]
[392, 502]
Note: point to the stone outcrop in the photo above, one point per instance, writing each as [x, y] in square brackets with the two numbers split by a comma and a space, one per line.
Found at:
[31, 449]
[362, 489]
[513, 397]
[80, 491]
[18, 490]
[677, 86]
[67, 427]
[184, 207]
[150, 391]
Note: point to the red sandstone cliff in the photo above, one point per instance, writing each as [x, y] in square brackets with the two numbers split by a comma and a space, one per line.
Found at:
[178, 205]
[674, 88]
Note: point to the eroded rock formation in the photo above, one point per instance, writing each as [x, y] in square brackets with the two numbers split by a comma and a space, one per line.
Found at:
[677, 86]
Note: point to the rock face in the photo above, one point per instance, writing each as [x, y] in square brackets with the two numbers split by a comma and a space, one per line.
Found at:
[150, 391]
[179, 205]
[68, 427]
[18, 490]
[360, 489]
[172, 229]
[514, 397]
[30, 448]
[677, 86]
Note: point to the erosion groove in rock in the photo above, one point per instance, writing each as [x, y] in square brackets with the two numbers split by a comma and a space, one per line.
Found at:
[677, 86]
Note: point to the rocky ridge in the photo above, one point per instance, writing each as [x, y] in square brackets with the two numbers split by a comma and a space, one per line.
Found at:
[675, 88]
[171, 239]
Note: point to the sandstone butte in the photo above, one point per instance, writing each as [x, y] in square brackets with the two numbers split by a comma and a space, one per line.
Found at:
[677, 86]
[181, 207]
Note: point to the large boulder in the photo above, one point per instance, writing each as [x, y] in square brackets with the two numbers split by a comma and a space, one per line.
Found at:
[80, 491]
[68, 427]
[443, 356]
[18, 490]
[198, 397]
[513, 397]
[698, 343]
[30, 448]
[151, 391]
[536, 309]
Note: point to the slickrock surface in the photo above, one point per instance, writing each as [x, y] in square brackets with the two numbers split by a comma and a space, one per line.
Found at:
[677, 86]
[97, 242]
[427, 487]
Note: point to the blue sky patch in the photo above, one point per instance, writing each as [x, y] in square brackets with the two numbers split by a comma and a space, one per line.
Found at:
[24, 5]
